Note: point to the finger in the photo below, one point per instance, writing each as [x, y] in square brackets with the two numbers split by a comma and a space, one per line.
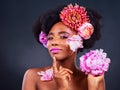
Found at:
[67, 76]
[61, 69]
[55, 69]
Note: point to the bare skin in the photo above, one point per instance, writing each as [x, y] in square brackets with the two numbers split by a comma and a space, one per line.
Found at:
[66, 74]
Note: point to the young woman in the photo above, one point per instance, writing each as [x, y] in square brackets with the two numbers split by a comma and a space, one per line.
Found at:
[65, 31]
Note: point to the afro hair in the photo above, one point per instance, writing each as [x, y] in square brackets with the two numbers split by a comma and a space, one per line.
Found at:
[47, 20]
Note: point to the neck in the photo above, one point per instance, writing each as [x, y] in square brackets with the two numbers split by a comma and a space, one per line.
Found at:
[69, 63]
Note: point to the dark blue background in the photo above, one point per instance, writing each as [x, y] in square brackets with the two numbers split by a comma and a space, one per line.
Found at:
[20, 51]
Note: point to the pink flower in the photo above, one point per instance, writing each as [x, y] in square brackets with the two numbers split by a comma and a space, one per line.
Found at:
[86, 30]
[74, 16]
[94, 62]
[46, 75]
[75, 42]
[43, 38]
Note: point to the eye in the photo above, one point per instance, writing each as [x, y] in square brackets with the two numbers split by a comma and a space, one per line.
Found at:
[64, 36]
[49, 38]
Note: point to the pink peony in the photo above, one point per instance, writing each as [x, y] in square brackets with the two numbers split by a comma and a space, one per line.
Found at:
[43, 38]
[94, 62]
[86, 30]
[75, 42]
[74, 16]
[46, 75]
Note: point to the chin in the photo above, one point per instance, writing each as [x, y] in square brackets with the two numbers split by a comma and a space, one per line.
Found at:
[58, 56]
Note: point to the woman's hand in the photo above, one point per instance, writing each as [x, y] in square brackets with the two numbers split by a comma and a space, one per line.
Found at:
[62, 75]
[96, 82]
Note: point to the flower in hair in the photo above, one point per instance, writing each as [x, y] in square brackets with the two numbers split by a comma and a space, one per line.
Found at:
[46, 75]
[86, 30]
[75, 42]
[74, 16]
[94, 62]
[43, 38]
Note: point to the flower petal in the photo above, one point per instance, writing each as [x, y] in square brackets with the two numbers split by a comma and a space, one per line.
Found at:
[94, 62]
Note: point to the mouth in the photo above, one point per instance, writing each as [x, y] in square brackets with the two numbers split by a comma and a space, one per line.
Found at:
[54, 50]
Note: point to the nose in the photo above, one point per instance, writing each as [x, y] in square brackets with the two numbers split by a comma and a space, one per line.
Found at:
[55, 42]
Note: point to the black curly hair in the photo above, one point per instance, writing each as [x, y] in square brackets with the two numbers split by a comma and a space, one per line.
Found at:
[46, 21]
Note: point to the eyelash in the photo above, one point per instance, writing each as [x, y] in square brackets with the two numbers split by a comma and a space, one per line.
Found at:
[49, 38]
[61, 37]
[64, 36]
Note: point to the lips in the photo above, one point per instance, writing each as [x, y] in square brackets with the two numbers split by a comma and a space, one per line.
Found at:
[54, 50]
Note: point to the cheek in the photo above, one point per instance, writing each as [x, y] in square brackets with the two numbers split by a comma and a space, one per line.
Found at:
[66, 43]
[68, 51]
[48, 44]
[48, 47]
[67, 46]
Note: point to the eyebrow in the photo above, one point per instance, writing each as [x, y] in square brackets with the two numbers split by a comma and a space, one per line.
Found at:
[61, 32]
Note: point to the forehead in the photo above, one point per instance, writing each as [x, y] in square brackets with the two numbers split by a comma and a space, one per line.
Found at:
[60, 27]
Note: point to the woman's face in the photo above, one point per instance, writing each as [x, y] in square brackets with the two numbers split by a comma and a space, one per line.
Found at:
[57, 41]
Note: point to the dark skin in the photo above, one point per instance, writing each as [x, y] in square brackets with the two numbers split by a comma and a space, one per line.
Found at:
[67, 76]
[76, 83]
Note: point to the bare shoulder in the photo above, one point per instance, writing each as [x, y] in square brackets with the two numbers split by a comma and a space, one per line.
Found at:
[31, 78]
[32, 72]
